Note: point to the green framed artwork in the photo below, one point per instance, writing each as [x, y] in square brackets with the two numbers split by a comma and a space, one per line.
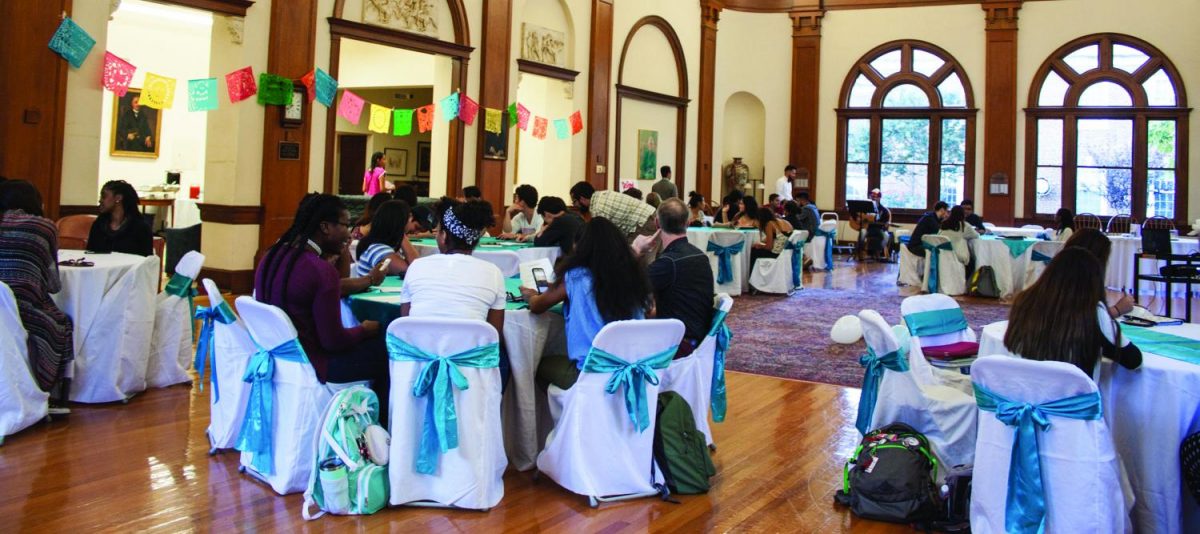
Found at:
[647, 154]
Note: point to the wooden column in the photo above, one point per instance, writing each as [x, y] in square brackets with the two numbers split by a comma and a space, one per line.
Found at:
[493, 93]
[1000, 101]
[710, 14]
[600, 59]
[806, 90]
[290, 53]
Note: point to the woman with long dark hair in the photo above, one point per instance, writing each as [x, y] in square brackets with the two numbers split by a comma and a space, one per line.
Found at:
[959, 231]
[375, 179]
[362, 227]
[730, 206]
[773, 236]
[601, 282]
[120, 226]
[1094, 241]
[387, 240]
[293, 276]
[1062, 317]
[1066, 224]
[697, 209]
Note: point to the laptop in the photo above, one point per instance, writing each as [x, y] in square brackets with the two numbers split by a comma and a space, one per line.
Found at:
[1156, 241]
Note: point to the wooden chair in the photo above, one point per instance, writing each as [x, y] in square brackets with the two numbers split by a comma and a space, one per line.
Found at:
[73, 231]
[1120, 224]
[1088, 220]
[1158, 223]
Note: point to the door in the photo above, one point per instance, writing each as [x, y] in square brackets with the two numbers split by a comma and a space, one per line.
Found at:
[352, 163]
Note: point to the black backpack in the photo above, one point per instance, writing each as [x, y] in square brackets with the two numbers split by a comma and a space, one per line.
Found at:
[983, 284]
[891, 476]
[679, 449]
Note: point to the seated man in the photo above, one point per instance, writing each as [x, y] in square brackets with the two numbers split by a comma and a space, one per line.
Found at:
[632, 216]
[808, 218]
[929, 224]
[681, 277]
[560, 228]
[521, 219]
[972, 218]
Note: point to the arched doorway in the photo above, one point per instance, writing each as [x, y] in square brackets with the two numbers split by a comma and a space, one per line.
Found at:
[744, 136]
[656, 96]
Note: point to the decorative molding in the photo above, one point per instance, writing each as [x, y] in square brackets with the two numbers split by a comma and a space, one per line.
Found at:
[680, 102]
[651, 96]
[543, 45]
[239, 282]
[226, 214]
[236, 26]
[569, 90]
[806, 90]
[549, 71]
[710, 13]
[676, 48]
[113, 6]
[806, 23]
[1001, 15]
[710, 16]
[237, 8]
[600, 60]
[417, 16]
[399, 39]
[78, 209]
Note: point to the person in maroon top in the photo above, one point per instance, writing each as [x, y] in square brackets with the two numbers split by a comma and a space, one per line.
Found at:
[294, 277]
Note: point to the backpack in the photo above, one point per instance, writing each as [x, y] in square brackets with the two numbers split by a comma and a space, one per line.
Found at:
[679, 449]
[983, 283]
[890, 477]
[349, 475]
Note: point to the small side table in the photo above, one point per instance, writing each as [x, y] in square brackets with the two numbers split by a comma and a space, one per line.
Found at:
[162, 203]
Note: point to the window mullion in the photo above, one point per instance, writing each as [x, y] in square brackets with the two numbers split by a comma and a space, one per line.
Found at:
[1140, 175]
[1070, 148]
[933, 172]
[876, 151]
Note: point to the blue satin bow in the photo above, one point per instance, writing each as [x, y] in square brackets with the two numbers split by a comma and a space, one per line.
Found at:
[207, 317]
[435, 382]
[1025, 505]
[716, 391]
[934, 257]
[1038, 256]
[725, 260]
[258, 425]
[632, 376]
[181, 286]
[896, 360]
[936, 322]
[797, 249]
[829, 238]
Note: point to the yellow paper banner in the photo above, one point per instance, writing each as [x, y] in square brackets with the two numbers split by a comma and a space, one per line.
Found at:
[492, 120]
[380, 119]
[158, 91]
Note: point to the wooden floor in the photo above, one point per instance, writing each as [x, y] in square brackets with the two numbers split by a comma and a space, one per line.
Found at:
[144, 467]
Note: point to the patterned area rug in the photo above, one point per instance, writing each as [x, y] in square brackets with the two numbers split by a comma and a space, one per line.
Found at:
[788, 337]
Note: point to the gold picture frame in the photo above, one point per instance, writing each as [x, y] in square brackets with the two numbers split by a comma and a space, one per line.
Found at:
[132, 122]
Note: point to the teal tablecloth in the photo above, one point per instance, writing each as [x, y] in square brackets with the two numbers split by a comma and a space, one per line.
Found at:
[1167, 345]
[1016, 247]
[383, 305]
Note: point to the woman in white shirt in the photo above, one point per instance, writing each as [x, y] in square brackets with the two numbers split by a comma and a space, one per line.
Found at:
[956, 228]
[1066, 225]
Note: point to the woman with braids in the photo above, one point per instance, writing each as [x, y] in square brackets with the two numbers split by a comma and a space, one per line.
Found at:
[601, 282]
[120, 226]
[294, 277]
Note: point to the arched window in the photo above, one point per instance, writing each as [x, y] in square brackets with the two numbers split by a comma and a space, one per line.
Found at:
[1106, 131]
[906, 124]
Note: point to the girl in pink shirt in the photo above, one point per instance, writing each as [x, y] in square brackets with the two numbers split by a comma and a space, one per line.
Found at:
[373, 179]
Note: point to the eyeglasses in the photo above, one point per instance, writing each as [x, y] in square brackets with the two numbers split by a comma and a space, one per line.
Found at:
[340, 223]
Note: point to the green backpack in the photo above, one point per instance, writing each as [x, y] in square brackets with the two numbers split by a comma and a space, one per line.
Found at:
[679, 449]
[349, 475]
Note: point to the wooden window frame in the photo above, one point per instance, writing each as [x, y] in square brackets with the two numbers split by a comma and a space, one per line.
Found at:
[876, 113]
[1140, 113]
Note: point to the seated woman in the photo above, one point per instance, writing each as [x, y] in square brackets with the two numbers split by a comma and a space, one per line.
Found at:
[293, 276]
[1062, 317]
[696, 209]
[746, 216]
[601, 282]
[730, 206]
[1100, 246]
[387, 241]
[958, 230]
[120, 226]
[773, 236]
[29, 266]
[1066, 225]
[362, 227]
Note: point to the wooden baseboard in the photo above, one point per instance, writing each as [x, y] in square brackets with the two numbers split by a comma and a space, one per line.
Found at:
[235, 282]
[77, 209]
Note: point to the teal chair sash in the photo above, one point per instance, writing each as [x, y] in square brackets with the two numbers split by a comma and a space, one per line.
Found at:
[874, 365]
[1039, 257]
[829, 238]
[435, 382]
[208, 317]
[181, 286]
[632, 376]
[797, 249]
[934, 257]
[936, 322]
[717, 401]
[725, 260]
[258, 426]
[1025, 505]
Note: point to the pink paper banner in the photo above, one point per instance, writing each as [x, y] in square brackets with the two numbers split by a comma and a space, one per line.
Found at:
[523, 117]
[539, 127]
[467, 110]
[241, 84]
[117, 74]
[350, 108]
[576, 122]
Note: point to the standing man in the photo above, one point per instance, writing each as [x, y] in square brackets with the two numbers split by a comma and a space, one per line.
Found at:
[682, 277]
[783, 186]
[665, 187]
[630, 215]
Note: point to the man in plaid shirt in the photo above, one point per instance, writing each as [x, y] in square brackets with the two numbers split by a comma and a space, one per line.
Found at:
[629, 214]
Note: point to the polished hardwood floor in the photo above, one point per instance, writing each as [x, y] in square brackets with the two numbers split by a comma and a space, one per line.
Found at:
[144, 466]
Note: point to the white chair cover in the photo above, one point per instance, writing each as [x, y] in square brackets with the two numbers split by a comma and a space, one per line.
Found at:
[22, 403]
[299, 401]
[171, 351]
[1032, 227]
[952, 275]
[508, 261]
[725, 239]
[470, 475]
[945, 415]
[816, 248]
[775, 275]
[912, 268]
[1036, 264]
[929, 303]
[232, 349]
[1080, 469]
[595, 449]
[988, 225]
[692, 376]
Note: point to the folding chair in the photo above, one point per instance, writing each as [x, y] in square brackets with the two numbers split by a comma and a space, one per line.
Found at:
[943, 272]
[171, 347]
[939, 331]
[700, 376]
[225, 342]
[508, 261]
[782, 275]
[724, 250]
[1040, 255]
[821, 247]
[22, 402]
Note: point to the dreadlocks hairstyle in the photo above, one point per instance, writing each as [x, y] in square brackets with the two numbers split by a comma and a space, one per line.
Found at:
[129, 196]
[314, 209]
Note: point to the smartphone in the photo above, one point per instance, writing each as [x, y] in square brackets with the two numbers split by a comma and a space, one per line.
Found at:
[539, 279]
[384, 266]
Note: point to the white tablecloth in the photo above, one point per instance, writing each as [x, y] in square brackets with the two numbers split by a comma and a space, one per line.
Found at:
[112, 308]
[1120, 264]
[1150, 411]
[526, 254]
[1008, 230]
[527, 337]
[698, 237]
[1010, 271]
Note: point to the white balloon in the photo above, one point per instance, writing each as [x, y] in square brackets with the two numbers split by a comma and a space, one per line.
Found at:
[846, 330]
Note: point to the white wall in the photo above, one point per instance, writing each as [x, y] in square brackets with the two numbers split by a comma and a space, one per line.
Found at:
[744, 136]
[545, 164]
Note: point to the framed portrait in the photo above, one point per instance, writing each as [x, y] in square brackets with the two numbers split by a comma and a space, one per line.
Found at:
[423, 158]
[136, 129]
[647, 154]
[395, 161]
[495, 145]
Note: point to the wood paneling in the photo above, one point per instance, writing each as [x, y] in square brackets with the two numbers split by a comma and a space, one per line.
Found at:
[549, 71]
[710, 14]
[236, 8]
[806, 92]
[224, 214]
[76, 209]
[239, 282]
[388, 37]
[596, 169]
[680, 102]
[290, 53]
[34, 89]
[493, 93]
[1000, 101]
[784, 6]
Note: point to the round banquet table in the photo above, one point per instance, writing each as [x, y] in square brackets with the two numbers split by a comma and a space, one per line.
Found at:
[1008, 259]
[526, 251]
[698, 236]
[1120, 264]
[111, 305]
[527, 336]
[1149, 411]
[1008, 230]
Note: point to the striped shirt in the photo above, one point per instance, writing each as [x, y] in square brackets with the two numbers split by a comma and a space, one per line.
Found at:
[375, 253]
